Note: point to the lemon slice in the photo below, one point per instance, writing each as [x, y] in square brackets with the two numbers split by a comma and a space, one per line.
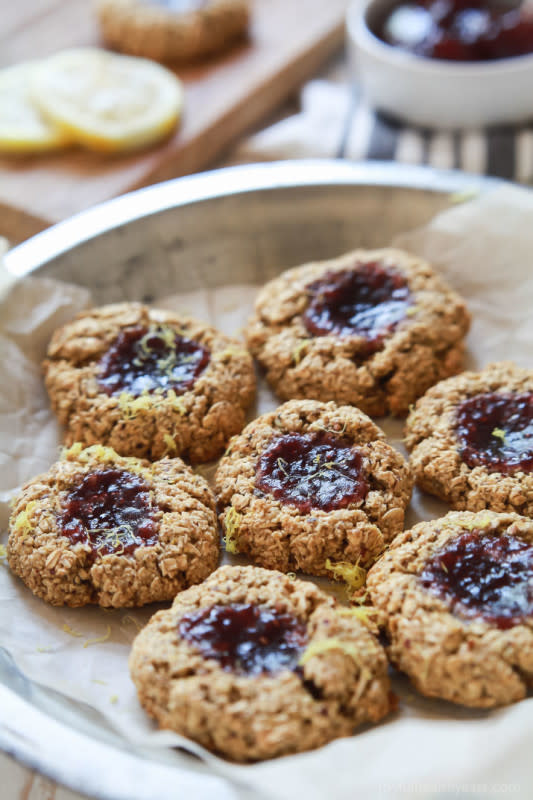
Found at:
[108, 102]
[23, 128]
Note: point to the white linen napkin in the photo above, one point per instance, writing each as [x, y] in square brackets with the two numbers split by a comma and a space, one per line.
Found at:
[336, 122]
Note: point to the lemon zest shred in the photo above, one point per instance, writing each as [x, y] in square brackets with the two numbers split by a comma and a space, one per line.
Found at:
[104, 454]
[67, 629]
[230, 352]
[482, 522]
[352, 574]
[291, 576]
[412, 310]
[297, 352]
[176, 402]
[101, 683]
[170, 443]
[131, 618]
[99, 639]
[282, 466]
[131, 406]
[22, 524]
[499, 433]
[113, 699]
[463, 196]
[72, 452]
[111, 536]
[164, 332]
[232, 523]
[3, 552]
[44, 649]
[365, 614]
[325, 645]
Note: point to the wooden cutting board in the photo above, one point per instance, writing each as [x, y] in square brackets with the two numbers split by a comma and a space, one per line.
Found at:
[289, 41]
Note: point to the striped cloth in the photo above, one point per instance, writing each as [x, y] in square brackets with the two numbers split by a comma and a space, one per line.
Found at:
[335, 122]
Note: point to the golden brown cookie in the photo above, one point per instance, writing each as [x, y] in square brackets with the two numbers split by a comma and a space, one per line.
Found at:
[254, 665]
[456, 598]
[373, 328]
[148, 383]
[312, 487]
[99, 528]
[471, 439]
[172, 30]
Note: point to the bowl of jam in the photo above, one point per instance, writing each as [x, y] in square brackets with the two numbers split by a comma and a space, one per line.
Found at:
[445, 63]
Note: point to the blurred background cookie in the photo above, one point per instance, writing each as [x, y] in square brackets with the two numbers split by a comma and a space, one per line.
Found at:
[148, 383]
[98, 528]
[471, 439]
[455, 596]
[373, 328]
[172, 30]
[253, 665]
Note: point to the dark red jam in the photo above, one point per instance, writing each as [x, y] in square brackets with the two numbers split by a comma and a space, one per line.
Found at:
[149, 359]
[181, 6]
[246, 638]
[368, 301]
[495, 431]
[111, 511]
[312, 470]
[484, 575]
[458, 30]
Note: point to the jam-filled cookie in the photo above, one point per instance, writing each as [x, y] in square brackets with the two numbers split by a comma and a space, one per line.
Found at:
[456, 598]
[99, 528]
[374, 328]
[172, 30]
[252, 665]
[312, 486]
[148, 383]
[471, 439]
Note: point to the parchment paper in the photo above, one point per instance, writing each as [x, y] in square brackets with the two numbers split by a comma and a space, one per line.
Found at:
[428, 749]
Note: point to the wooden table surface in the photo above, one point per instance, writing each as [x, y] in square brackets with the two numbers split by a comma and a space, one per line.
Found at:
[224, 97]
[20, 783]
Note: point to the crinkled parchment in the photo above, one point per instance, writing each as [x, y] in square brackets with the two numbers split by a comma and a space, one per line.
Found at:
[485, 249]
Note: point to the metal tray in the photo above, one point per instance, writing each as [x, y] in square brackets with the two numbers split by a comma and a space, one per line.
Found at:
[237, 225]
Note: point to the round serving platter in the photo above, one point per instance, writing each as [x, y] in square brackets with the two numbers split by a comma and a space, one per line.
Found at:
[233, 226]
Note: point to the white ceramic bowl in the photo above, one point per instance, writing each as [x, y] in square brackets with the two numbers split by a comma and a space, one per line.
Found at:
[435, 93]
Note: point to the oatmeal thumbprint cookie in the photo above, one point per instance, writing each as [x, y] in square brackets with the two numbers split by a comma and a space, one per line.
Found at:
[172, 30]
[253, 665]
[100, 528]
[312, 487]
[455, 596]
[471, 440]
[373, 328]
[148, 383]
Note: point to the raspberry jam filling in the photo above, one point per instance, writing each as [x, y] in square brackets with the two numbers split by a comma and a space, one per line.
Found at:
[368, 301]
[495, 431]
[312, 470]
[484, 575]
[458, 30]
[246, 638]
[148, 359]
[111, 511]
